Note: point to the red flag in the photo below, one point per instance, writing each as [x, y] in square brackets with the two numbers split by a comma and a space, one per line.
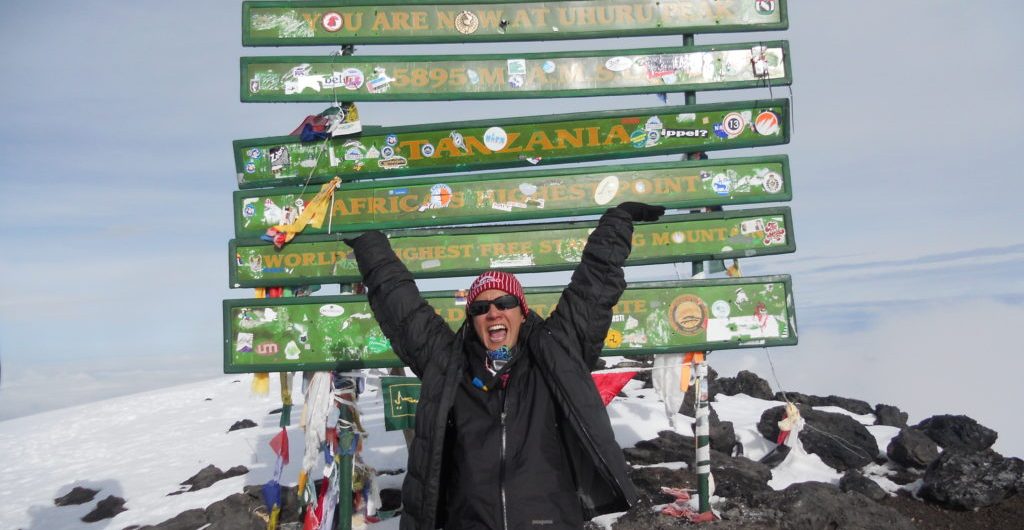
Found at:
[609, 384]
[279, 444]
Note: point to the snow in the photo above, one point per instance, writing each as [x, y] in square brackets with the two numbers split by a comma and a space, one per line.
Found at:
[141, 447]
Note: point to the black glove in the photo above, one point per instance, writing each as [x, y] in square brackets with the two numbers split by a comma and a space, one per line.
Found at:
[350, 241]
[642, 212]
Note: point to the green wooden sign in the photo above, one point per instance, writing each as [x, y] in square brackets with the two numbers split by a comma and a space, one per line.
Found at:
[512, 142]
[415, 21]
[513, 76]
[400, 396]
[451, 252]
[339, 332]
[519, 195]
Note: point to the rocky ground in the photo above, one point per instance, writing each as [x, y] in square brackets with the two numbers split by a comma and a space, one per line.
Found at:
[947, 473]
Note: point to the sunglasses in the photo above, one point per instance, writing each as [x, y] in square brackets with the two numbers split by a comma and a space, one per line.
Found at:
[480, 307]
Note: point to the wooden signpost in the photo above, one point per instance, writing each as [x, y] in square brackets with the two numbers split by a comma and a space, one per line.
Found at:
[279, 176]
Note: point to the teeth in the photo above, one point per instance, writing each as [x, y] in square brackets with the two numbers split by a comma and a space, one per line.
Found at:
[495, 327]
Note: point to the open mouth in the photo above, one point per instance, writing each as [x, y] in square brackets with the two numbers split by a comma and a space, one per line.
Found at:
[496, 334]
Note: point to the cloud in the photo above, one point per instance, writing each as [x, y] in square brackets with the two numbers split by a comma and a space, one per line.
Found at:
[48, 386]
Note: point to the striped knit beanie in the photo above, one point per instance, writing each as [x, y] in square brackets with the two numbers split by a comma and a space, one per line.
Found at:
[497, 280]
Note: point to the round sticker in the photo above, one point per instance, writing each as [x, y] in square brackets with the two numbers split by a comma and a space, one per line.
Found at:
[652, 138]
[352, 78]
[466, 23]
[767, 123]
[640, 186]
[606, 190]
[613, 339]
[474, 77]
[332, 310]
[638, 138]
[548, 67]
[618, 64]
[527, 189]
[678, 238]
[332, 21]
[387, 151]
[250, 168]
[733, 124]
[495, 138]
[764, 7]
[391, 139]
[440, 195]
[772, 183]
[720, 309]
[249, 210]
[721, 184]
[254, 153]
[427, 150]
[688, 314]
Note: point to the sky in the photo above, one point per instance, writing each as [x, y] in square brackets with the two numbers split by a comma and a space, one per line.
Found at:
[115, 197]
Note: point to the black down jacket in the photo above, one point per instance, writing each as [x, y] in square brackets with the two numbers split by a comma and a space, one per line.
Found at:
[559, 353]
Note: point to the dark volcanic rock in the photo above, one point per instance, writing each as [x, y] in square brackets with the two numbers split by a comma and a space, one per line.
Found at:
[186, 520]
[669, 446]
[643, 516]
[855, 481]
[78, 495]
[739, 476]
[210, 474]
[775, 456]
[723, 437]
[958, 432]
[650, 480]
[855, 406]
[839, 440]
[242, 424]
[816, 505]
[966, 480]
[890, 415]
[912, 448]
[105, 509]
[747, 383]
[237, 511]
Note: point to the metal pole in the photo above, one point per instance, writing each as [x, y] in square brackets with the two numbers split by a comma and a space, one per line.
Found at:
[702, 431]
[344, 470]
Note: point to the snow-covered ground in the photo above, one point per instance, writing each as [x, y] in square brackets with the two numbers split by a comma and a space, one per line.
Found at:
[141, 447]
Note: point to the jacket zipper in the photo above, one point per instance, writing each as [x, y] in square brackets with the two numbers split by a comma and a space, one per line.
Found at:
[501, 471]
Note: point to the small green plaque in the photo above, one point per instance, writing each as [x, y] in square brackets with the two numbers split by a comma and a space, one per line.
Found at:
[400, 396]
[339, 332]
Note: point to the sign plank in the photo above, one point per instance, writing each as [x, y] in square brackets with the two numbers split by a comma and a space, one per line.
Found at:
[339, 332]
[512, 142]
[318, 22]
[514, 76]
[469, 251]
[519, 195]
